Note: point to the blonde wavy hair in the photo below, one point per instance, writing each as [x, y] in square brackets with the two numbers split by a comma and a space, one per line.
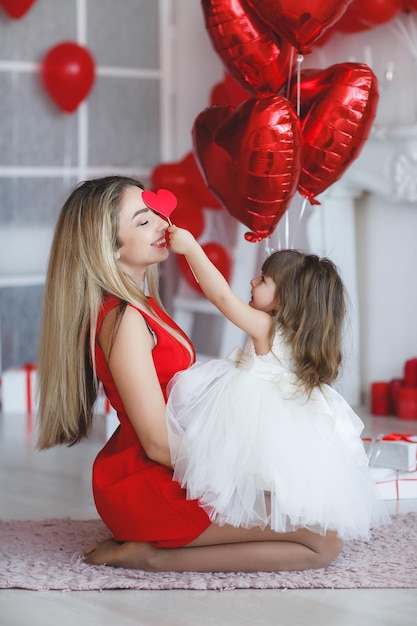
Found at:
[82, 268]
[310, 309]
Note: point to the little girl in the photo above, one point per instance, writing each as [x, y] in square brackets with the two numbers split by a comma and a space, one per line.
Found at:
[262, 439]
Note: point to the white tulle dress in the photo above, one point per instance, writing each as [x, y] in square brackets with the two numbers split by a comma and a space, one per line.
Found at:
[248, 442]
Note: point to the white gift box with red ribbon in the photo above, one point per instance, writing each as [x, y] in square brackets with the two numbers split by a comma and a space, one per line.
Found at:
[393, 484]
[18, 389]
[18, 392]
[397, 451]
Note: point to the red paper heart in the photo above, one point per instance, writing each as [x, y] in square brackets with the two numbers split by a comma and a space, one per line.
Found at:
[162, 202]
[300, 22]
[250, 157]
[16, 8]
[256, 57]
[338, 108]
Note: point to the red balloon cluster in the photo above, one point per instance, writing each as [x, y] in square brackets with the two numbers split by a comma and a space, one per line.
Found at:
[254, 149]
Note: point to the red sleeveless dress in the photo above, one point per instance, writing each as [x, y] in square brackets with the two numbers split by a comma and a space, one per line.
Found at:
[136, 497]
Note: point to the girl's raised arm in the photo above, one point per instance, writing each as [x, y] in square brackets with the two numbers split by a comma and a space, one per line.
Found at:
[216, 288]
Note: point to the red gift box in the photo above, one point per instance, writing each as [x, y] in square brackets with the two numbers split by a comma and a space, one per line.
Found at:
[410, 373]
[380, 398]
[407, 403]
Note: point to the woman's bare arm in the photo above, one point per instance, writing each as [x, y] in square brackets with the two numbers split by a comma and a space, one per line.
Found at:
[216, 288]
[131, 365]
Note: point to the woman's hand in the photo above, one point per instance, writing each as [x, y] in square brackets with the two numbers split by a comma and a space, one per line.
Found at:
[180, 241]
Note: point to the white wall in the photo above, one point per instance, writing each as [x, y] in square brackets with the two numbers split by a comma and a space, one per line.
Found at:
[197, 69]
[387, 255]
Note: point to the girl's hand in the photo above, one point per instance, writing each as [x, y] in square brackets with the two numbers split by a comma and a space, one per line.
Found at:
[180, 241]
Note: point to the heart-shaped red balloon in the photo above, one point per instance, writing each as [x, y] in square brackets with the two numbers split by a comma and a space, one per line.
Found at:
[162, 201]
[257, 58]
[301, 22]
[68, 73]
[16, 8]
[250, 157]
[338, 108]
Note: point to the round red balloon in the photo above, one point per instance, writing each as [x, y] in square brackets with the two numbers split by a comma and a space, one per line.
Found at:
[217, 254]
[68, 73]
[338, 108]
[250, 157]
[257, 58]
[16, 8]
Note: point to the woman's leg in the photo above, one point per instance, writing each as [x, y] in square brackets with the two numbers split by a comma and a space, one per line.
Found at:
[225, 549]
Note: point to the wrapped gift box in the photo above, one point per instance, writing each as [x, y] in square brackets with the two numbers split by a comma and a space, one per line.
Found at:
[395, 485]
[18, 392]
[395, 451]
[18, 389]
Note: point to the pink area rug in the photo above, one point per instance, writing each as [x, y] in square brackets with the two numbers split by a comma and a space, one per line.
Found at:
[46, 555]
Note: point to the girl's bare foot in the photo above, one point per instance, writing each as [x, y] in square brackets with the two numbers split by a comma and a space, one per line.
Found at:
[128, 554]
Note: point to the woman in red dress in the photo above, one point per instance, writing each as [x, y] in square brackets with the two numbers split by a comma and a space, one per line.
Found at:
[103, 321]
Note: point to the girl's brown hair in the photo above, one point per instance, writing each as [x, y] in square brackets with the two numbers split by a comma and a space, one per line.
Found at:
[310, 309]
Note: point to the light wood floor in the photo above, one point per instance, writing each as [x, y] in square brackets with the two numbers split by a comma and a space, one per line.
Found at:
[56, 483]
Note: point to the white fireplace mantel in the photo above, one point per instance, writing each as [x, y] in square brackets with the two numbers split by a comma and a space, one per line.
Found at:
[387, 167]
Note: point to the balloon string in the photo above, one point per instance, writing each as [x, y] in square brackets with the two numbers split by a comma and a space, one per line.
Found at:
[300, 219]
[268, 248]
[287, 229]
[300, 59]
[290, 71]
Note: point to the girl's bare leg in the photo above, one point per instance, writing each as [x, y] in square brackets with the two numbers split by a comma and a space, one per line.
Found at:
[225, 549]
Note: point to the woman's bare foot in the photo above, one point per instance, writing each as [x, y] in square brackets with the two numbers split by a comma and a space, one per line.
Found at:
[98, 547]
[128, 554]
